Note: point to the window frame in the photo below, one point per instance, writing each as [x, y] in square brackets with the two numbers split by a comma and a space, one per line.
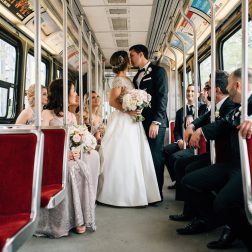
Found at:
[8, 38]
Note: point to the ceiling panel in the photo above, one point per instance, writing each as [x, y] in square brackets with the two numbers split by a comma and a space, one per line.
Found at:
[118, 25]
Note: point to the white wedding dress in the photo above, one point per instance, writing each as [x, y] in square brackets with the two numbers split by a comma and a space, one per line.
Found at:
[128, 177]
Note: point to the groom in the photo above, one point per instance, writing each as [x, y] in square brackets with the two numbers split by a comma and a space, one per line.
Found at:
[153, 79]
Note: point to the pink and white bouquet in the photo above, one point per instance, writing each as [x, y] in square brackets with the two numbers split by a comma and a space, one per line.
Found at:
[136, 99]
[81, 138]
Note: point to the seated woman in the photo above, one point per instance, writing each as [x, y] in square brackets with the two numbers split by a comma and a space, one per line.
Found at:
[77, 210]
[97, 127]
[27, 116]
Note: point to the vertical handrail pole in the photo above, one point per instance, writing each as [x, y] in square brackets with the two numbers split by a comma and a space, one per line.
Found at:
[184, 74]
[96, 69]
[195, 60]
[65, 64]
[37, 54]
[245, 164]
[213, 71]
[176, 77]
[90, 78]
[81, 71]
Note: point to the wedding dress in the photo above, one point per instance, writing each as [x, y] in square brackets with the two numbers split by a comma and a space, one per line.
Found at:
[128, 176]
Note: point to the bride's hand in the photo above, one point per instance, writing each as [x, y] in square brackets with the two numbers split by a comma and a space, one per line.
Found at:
[73, 155]
[134, 113]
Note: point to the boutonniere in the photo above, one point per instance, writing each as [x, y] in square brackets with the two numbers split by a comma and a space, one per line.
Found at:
[238, 112]
[147, 71]
[217, 114]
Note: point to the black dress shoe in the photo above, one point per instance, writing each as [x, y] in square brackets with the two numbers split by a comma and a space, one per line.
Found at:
[195, 227]
[179, 217]
[225, 241]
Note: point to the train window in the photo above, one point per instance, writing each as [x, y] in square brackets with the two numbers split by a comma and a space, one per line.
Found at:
[232, 53]
[189, 77]
[30, 74]
[7, 62]
[205, 70]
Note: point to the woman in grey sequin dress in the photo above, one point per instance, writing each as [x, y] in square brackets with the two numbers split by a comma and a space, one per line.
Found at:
[77, 210]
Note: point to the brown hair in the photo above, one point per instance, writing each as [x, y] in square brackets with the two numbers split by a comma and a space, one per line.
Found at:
[119, 61]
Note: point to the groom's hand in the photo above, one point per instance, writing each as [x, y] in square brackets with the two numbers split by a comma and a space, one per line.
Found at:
[153, 130]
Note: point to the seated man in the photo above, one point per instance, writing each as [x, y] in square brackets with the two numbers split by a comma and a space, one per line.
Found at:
[175, 150]
[224, 178]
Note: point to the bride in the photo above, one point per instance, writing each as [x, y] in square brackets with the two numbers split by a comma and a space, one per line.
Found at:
[128, 176]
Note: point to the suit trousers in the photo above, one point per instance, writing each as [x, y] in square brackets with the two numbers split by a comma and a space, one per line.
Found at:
[186, 165]
[172, 153]
[199, 187]
[157, 146]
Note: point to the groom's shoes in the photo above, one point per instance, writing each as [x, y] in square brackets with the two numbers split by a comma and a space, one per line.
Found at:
[225, 241]
[170, 187]
[197, 226]
[179, 217]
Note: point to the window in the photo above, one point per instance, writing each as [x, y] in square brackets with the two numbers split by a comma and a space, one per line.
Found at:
[30, 74]
[8, 63]
[232, 50]
[205, 70]
[8, 57]
[189, 77]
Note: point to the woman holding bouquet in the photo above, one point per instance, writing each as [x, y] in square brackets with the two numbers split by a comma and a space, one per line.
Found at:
[128, 176]
[77, 210]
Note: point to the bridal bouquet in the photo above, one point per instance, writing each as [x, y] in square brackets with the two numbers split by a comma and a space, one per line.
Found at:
[81, 138]
[136, 99]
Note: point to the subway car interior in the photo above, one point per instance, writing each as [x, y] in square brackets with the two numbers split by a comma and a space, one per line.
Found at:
[125, 125]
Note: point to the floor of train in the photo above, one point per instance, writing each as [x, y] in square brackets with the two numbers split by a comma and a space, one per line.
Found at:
[131, 229]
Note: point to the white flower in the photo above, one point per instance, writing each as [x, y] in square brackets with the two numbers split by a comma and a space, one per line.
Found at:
[217, 114]
[149, 69]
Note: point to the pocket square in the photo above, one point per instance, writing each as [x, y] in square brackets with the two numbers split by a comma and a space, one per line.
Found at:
[147, 79]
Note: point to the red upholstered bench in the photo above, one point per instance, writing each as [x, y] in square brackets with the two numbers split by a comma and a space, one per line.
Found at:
[20, 180]
[246, 166]
[54, 166]
[171, 131]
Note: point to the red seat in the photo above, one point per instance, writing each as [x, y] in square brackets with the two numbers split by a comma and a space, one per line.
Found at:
[171, 131]
[249, 145]
[54, 166]
[202, 145]
[20, 180]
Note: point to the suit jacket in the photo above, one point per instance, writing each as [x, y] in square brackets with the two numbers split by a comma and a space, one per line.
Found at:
[204, 119]
[155, 82]
[222, 147]
[179, 121]
[228, 125]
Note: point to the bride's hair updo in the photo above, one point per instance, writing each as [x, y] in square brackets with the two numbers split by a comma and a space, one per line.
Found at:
[119, 61]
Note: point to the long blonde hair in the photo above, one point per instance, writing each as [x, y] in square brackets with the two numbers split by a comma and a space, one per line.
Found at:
[30, 93]
[86, 103]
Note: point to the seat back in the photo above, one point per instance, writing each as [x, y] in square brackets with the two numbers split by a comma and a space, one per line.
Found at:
[54, 166]
[222, 149]
[171, 131]
[20, 168]
[246, 168]
[202, 145]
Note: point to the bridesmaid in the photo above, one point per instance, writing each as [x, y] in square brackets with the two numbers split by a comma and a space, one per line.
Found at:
[77, 210]
[27, 116]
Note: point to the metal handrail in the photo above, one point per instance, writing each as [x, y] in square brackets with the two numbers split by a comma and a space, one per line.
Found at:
[80, 71]
[37, 54]
[245, 167]
[213, 70]
[195, 60]
[184, 73]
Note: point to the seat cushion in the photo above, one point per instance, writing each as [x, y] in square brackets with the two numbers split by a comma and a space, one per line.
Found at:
[10, 225]
[49, 191]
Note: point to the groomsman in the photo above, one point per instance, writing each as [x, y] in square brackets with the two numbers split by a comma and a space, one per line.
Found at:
[153, 79]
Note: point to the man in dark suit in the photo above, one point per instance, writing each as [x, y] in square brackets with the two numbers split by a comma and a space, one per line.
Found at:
[223, 178]
[154, 80]
[176, 150]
